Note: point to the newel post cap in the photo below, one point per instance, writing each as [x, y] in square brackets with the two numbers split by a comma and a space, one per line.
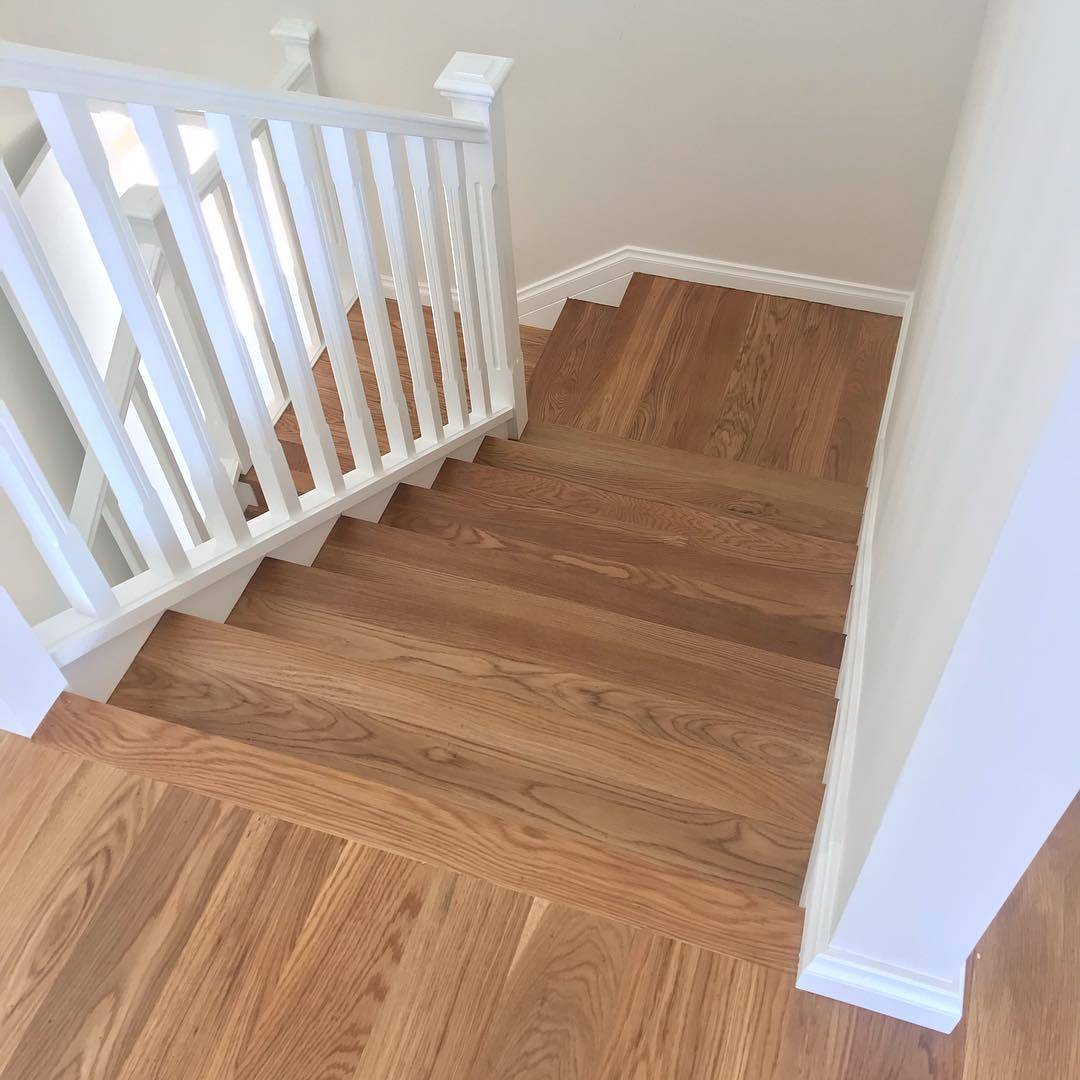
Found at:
[473, 77]
[300, 32]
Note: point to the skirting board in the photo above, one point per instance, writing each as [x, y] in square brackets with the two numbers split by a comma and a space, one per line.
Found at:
[859, 980]
[603, 280]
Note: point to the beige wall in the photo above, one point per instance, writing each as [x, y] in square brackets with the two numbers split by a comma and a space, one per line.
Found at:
[994, 330]
[807, 137]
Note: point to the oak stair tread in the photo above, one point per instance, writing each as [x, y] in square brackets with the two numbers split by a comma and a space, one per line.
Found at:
[649, 889]
[636, 541]
[385, 589]
[489, 547]
[588, 705]
[826, 508]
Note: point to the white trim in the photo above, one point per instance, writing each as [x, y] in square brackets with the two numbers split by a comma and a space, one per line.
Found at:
[859, 980]
[905, 995]
[27, 67]
[607, 270]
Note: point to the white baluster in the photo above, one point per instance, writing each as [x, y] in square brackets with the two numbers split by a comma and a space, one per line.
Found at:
[238, 167]
[238, 255]
[473, 82]
[58, 541]
[295, 147]
[438, 274]
[389, 179]
[280, 202]
[37, 293]
[160, 136]
[70, 132]
[147, 412]
[457, 213]
[344, 161]
[182, 309]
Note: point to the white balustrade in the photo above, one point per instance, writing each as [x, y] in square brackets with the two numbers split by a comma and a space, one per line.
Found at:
[70, 131]
[258, 244]
[160, 135]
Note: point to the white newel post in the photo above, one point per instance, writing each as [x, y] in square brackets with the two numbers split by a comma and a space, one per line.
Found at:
[29, 680]
[473, 83]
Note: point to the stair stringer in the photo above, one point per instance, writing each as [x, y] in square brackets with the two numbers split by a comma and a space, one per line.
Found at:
[96, 673]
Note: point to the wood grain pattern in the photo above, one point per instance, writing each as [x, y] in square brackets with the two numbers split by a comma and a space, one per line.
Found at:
[1022, 1011]
[358, 717]
[577, 638]
[522, 551]
[518, 700]
[564, 371]
[766, 380]
[474, 979]
[721, 534]
[630, 888]
[672, 476]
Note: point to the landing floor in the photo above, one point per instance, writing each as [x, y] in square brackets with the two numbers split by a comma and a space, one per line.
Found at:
[149, 932]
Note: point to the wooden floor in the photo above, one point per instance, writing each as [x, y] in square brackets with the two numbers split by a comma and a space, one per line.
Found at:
[735, 375]
[519, 782]
[151, 932]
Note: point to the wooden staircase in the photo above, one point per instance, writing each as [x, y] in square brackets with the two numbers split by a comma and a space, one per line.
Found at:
[578, 667]
[591, 668]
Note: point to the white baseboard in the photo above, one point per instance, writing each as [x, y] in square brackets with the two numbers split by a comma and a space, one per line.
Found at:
[601, 281]
[903, 995]
[823, 969]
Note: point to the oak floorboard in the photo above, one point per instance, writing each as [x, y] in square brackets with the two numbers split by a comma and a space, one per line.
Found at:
[1022, 1008]
[628, 888]
[234, 682]
[854, 433]
[220, 983]
[438, 1013]
[345, 960]
[696, 1015]
[560, 1000]
[77, 831]
[755, 828]
[703, 470]
[92, 1015]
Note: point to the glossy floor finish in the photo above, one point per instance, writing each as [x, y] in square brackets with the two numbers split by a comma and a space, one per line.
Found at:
[519, 782]
[151, 932]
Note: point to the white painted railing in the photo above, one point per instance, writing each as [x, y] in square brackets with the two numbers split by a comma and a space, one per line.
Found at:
[212, 404]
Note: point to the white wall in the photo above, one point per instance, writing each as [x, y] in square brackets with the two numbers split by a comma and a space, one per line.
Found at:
[996, 761]
[808, 137]
[994, 331]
